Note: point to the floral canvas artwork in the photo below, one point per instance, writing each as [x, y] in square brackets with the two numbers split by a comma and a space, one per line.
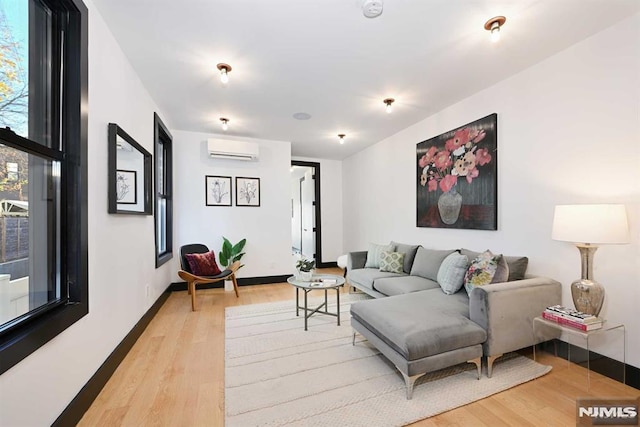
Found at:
[456, 177]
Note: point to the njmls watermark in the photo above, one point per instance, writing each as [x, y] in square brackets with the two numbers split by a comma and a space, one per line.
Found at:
[607, 412]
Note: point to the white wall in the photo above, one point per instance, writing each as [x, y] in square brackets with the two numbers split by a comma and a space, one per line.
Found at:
[567, 133]
[267, 228]
[121, 252]
[330, 207]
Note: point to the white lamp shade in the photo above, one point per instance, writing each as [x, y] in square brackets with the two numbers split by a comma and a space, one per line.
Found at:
[595, 224]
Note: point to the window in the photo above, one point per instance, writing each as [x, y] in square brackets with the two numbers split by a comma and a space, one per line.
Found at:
[43, 173]
[163, 184]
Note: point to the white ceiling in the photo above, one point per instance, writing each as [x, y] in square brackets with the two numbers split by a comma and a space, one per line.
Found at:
[326, 59]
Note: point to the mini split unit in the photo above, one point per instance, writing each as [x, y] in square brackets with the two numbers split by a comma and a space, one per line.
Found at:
[232, 150]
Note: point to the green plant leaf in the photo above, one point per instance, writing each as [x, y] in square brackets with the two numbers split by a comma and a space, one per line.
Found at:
[239, 246]
[224, 259]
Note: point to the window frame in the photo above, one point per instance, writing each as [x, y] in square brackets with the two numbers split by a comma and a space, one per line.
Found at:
[36, 328]
[163, 141]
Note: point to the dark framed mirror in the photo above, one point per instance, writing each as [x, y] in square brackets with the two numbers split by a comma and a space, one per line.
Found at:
[129, 174]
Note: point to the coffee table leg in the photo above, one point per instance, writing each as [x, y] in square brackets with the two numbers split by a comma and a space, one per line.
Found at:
[297, 303]
[338, 303]
[305, 309]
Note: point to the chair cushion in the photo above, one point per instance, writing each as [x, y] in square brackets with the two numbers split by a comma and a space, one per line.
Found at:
[403, 285]
[203, 264]
[420, 324]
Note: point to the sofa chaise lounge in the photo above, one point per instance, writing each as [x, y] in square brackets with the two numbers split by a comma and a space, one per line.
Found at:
[421, 329]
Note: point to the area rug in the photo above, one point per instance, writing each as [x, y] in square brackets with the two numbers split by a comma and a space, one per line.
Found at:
[276, 374]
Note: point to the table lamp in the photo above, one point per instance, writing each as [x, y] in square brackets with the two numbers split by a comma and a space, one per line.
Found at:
[589, 226]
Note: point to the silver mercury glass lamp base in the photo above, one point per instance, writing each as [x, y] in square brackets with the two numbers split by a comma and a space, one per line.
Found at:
[587, 294]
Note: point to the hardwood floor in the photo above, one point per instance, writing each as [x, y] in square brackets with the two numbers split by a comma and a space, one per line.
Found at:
[174, 375]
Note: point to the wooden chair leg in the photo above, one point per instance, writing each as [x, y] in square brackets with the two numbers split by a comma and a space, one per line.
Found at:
[192, 289]
[235, 284]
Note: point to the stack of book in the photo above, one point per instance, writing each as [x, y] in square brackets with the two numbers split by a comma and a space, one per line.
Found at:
[572, 318]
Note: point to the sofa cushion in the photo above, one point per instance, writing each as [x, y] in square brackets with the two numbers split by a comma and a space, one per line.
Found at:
[409, 252]
[517, 264]
[420, 324]
[366, 276]
[452, 271]
[373, 254]
[403, 285]
[502, 272]
[392, 262]
[481, 271]
[427, 262]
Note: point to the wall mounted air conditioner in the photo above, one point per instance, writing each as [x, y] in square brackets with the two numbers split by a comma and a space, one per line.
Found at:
[234, 150]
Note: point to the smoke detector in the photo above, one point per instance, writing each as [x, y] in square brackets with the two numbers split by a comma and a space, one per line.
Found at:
[372, 8]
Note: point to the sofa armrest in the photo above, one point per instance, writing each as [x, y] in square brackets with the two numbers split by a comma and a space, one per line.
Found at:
[506, 311]
[356, 260]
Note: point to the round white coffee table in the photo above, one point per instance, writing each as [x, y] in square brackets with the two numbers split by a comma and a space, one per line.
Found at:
[322, 282]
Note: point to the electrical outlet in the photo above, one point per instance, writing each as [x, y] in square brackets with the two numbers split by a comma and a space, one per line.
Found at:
[147, 290]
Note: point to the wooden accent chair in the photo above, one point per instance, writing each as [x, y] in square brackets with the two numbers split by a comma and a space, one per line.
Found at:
[193, 280]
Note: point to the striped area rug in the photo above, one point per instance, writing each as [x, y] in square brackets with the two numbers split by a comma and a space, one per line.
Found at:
[276, 374]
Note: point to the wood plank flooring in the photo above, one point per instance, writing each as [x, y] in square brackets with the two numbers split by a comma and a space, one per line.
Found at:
[174, 375]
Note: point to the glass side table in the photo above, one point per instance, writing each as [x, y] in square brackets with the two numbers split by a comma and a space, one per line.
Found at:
[545, 330]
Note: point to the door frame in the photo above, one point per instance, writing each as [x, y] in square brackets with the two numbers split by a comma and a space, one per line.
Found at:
[318, 227]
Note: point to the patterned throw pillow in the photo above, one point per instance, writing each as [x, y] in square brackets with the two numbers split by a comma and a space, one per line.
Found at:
[373, 255]
[452, 271]
[391, 262]
[203, 264]
[481, 271]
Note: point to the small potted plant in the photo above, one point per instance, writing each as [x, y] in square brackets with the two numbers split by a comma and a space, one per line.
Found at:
[305, 269]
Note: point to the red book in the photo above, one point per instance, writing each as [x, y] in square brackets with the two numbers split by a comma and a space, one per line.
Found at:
[571, 323]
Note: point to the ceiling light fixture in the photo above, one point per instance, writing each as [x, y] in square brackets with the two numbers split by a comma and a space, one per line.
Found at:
[372, 8]
[493, 25]
[225, 123]
[225, 69]
[388, 102]
[341, 136]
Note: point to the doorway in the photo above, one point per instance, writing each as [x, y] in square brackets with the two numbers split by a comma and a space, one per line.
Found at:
[305, 211]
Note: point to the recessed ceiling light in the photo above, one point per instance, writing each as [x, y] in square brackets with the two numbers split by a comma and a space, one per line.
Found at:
[389, 103]
[225, 69]
[341, 137]
[225, 123]
[302, 116]
[493, 25]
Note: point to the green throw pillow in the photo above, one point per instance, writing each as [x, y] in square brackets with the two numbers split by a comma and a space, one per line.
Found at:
[391, 262]
[481, 271]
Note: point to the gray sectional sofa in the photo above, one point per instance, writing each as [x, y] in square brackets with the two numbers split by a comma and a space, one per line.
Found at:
[421, 329]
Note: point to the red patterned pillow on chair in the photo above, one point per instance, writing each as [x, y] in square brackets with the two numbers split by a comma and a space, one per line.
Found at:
[203, 264]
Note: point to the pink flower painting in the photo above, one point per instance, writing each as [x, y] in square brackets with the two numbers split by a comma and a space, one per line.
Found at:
[459, 158]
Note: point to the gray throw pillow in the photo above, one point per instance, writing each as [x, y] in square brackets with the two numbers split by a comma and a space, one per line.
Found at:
[502, 272]
[391, 262]
[451, 273]
[427, 262]
[373, 254]
[409, 252]
[517, 264]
